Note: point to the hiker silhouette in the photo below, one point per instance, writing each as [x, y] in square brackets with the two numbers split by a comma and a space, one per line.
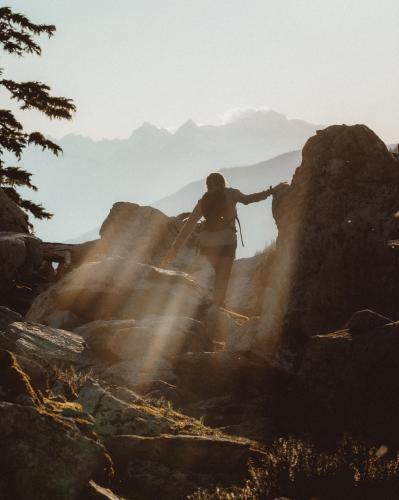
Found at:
[218, 235]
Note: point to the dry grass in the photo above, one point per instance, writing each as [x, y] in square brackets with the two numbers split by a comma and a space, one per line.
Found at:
[298, 470]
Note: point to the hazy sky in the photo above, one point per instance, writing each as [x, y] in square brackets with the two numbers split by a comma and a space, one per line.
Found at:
[164, 61]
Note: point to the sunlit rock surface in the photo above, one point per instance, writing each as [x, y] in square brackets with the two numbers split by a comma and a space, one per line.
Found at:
[159, 336]
[118, 288]
[40, 446]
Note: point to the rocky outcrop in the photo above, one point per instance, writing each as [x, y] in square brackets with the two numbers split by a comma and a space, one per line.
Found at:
[143, 233]
[143, 350]
[40, 446]
[178, 465]
[41, 342]
[117, 288]
[12, 218]
[20, 256]
[67, 420]
[365, 320]
[154, 337]
[194, 453]
[8, 316]
[335, 221]
[244, 289]
[349, 383]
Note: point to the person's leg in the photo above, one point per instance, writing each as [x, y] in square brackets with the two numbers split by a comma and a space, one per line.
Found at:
[222, 275]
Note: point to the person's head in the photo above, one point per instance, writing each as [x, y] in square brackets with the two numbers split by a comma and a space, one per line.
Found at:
[215, 182]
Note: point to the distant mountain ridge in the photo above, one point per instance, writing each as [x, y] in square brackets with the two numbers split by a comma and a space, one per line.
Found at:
[257, 221]
[81, 186]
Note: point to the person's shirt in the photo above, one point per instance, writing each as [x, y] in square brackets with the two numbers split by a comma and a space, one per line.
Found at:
[226, 236]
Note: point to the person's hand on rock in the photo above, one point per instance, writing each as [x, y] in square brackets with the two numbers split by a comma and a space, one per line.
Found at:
[280, 187]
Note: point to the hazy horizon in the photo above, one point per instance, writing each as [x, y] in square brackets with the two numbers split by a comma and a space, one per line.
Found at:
[167, 62]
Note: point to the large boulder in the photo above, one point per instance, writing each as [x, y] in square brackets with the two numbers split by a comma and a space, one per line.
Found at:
[44, 343]
[152, 338]
[44, 453]
[244, 287]
[12, 218]
[210, 374]
[124, 412]
[195, 453]
[350, 383]
[138, 371]
[8, 316]
[335, 221]
[142, 233]
[118, 288]
[20, 253]
[143, 350]
[172, 466]
[20, 256]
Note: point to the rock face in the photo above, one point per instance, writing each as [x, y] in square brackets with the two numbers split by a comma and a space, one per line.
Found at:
[156, 336]
[143, 233]
[20, 256]
[12, 218]
[144, 350]
[195, 453]
[242, 292]
[349, 383]
[117, 288]
[8, 316]
[335, 221]
[43, 342]
[40, 447]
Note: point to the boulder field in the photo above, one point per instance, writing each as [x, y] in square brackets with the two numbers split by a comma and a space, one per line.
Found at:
[121, 380]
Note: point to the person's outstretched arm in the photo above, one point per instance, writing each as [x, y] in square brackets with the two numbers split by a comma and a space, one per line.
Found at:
[246, 199]
[184, 233]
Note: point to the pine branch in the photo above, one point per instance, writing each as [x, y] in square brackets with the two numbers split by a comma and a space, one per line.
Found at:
[14, 139]
[17, 37]
[16, 176]
[35, 209]
[39, 140]
[36, 95]
[12, 136]
[16, 33]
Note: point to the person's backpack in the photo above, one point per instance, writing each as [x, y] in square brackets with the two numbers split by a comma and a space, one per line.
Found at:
[215, 209]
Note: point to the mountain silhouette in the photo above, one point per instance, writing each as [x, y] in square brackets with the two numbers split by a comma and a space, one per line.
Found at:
[257, 222]
[80, 186]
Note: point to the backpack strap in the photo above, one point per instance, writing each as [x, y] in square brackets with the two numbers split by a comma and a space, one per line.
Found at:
[239, 225]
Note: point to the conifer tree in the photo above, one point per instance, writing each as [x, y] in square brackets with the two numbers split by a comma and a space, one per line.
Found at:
[18, 36]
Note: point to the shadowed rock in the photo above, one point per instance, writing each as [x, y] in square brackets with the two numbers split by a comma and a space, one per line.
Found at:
[349, 383]
[43, 342]
[8, 316]
[12, 217]
[195, 453]
[365, 320]
[334, 222]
